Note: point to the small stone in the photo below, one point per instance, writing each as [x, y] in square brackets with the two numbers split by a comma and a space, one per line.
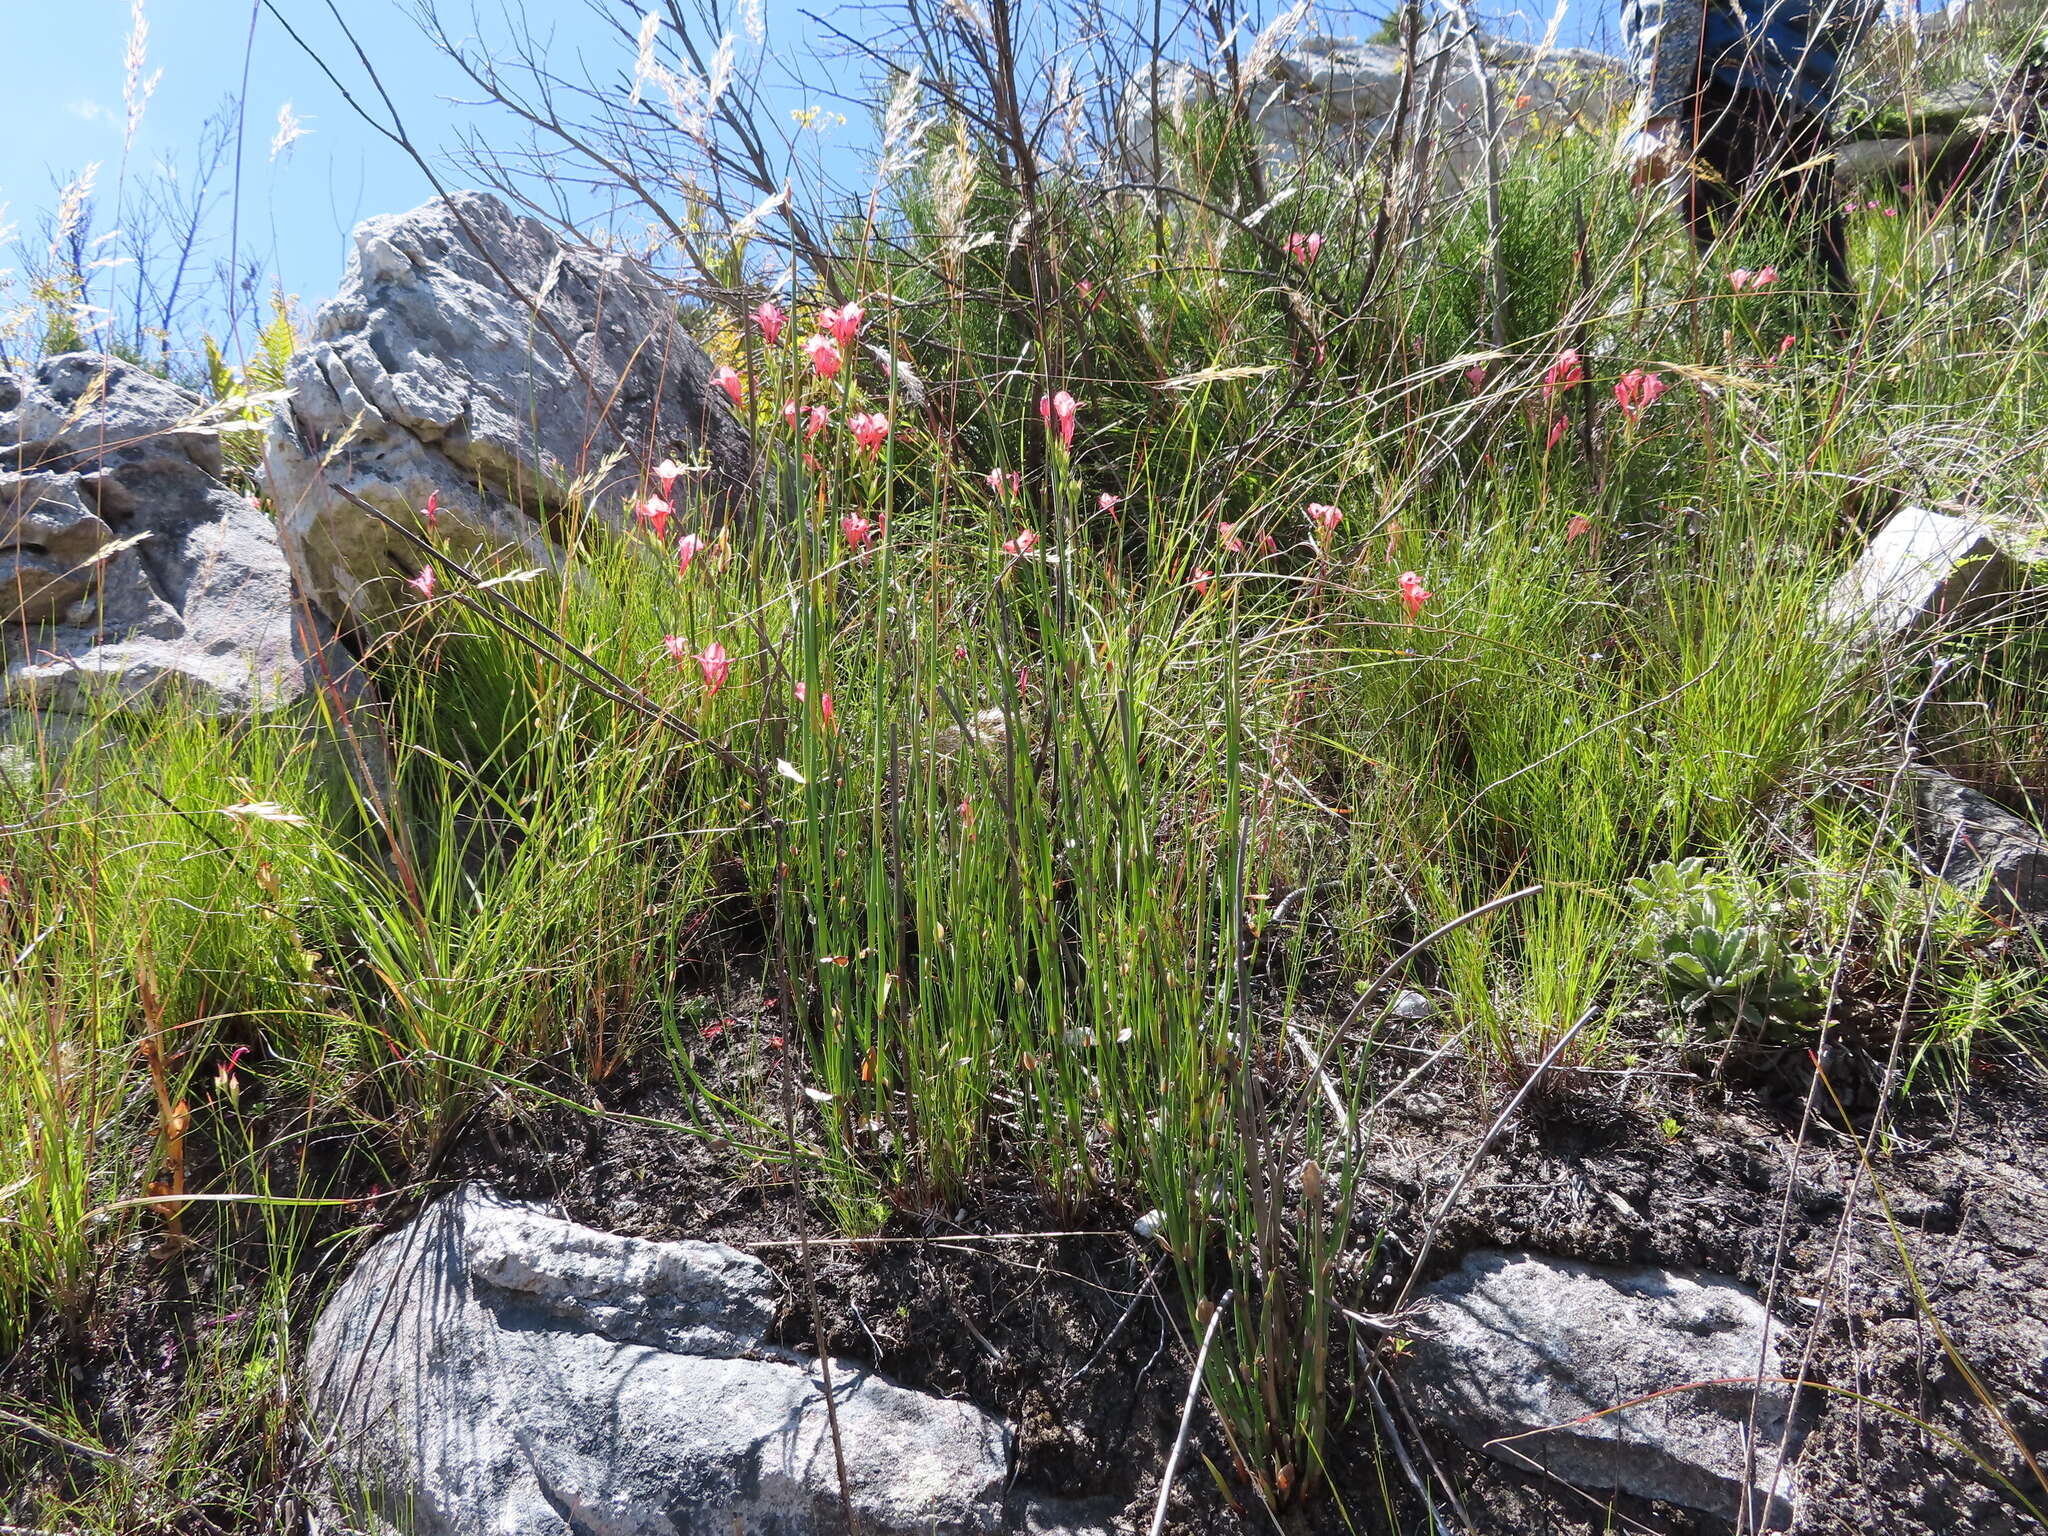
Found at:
[1530, 1358]
[1421, 1106]
[1413, 1006]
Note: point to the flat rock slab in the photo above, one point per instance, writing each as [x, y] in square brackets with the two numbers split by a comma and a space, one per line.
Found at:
[1518, 1352]
[128, 571]
[473, 355]
[493, 1370]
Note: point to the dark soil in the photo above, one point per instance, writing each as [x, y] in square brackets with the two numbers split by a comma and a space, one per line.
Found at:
[1072, 1328]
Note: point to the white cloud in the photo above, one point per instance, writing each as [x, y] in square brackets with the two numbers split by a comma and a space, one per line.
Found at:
[87, 110]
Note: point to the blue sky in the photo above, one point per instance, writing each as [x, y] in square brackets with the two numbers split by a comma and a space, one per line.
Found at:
[65, 87]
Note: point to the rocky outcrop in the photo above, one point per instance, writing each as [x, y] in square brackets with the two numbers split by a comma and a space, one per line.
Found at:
[493, 1370]
[128, 571]
[471, 355]
[1339, 96]
[1655, 1382]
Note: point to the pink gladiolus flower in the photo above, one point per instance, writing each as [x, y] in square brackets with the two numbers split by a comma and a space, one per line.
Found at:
[1413, 594]
[1476, 377]
[1059, 410]
[1765, 276]
[424, 582]
[688, 548]
[817, 421]
[790, 412]
[771, 319]
[1558, 429]
[1109, 501]
[1636, 391]
[1202, 580]
[1739, 278]
[1025, 542]
[823, 352]
[1005, 482]
[678, 648]
[869, 429]
[666, 472]
[1227, 532]
[824, 705]
[843, 322]
[430, 513]
[1326, 518]
[858, 529]
[1580, 524]
[1891, 213]
[715, 665]
[1565, 371]
[1304, 248]
[1268, 545]
[655, 513]
[727, 380]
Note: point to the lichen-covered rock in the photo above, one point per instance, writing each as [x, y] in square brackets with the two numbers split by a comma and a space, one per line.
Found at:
[128, 571]
[472, 355]
[1656, 1382]
[492, 1370]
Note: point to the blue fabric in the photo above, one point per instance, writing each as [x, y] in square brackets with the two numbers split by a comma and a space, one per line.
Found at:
[1770, 45]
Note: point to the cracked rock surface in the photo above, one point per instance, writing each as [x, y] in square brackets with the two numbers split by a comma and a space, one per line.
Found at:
[128, 570]
[493, 1370]
[1657, 1382]
[470, 354]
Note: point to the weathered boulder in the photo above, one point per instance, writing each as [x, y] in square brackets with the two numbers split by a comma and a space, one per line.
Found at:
[1339, 96]
[1924, 568]
[1530, 1359]
[492, 1370]
[471, 354]
[1972, 841]
[128, 571]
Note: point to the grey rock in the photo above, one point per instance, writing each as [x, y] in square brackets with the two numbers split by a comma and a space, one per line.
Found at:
[48, 541]
[1926, 568]
[470, 353]
[1339, 96]
[1410, 1005]
[1972, 841]
[493, 1370]
[1517, 1350]
[135, 573]
[1888, 160]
